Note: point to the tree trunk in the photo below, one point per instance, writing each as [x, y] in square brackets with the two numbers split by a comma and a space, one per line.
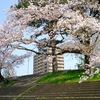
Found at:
[87, 59]
[90, 69]
[1, 77]
[54, 58]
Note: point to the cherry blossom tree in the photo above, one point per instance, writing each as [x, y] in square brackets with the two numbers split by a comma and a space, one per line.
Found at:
[71, 26]
[9, 61]
[8, 43]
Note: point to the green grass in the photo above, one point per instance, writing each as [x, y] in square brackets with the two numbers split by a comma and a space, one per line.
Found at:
[96, 77]
[7, 83]
[65, 76]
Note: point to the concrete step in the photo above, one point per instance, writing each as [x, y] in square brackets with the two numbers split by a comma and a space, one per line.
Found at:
[12, 90]
[58, 98]
[44, 91]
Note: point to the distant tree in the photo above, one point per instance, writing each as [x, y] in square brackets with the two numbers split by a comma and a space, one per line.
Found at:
[71, 26]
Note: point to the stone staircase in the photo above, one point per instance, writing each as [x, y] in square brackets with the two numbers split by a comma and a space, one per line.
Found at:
[22, 84]
[65, 91]
[25, 88]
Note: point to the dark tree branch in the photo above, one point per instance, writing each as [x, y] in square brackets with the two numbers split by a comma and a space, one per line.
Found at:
[23, 48]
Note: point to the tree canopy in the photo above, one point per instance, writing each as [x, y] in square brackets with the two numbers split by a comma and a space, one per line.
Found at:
[68, 25]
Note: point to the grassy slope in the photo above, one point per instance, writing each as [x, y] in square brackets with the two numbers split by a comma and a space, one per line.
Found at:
[65, 76]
